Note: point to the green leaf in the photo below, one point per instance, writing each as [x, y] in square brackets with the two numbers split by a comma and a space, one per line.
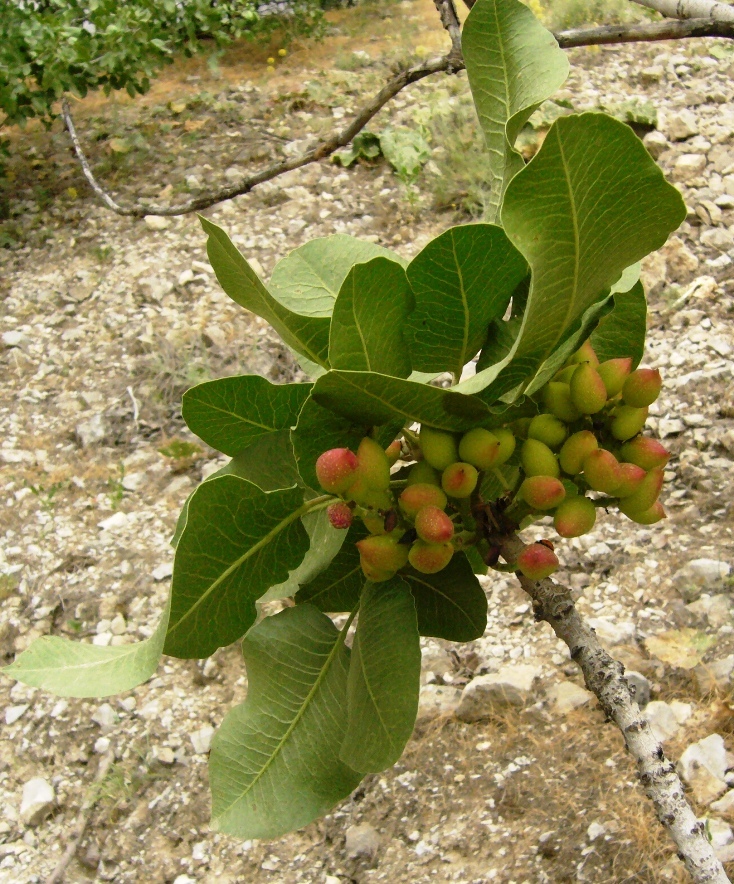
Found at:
[450, 604]
[369, 320]
[231, 413]
[622, 332]
[76, 669]
[377, 399]
[591, 203]
[238, 542]
[308, 280]
[325, 541]
[497, 481]
[405, 149]
[366, 146]
[513, 64]
[308, 335]
[274, 764]
[462, 280]
[384, 678]
[338, 587]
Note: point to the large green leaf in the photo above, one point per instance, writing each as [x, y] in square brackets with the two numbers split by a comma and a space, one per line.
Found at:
[450, 604]
[338, 587]
[308, 335]
[622, 332]
[75, 669]
[591, 203]
[308, 280]
[368, 323]
[462, 280]
[274, 764]
[238, 542]
[513, 64]
[377, 399]
[384, 678]
[325, 541]
[231, 413]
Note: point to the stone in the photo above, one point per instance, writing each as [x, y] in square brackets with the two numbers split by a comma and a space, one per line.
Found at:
[14, 713]
[437, 700]
[104, 716]
[703, 767]
[596, 830]
[681, 125]
[654, 272]
[726, 804]
[92, 431]
[162, 571]
[717, 238]
[640, 687]
[651, 75]
[201, 740]
[665, 719]
[717, 674]
[157, 222]
[680, 261]
[688, 166]
[700, 574]
[37, 802]
[714, 608]
[567, 696]
[13, 338]
[719, 832]
[511, 686]
[613, 632]
[114, 522]
[362, 842]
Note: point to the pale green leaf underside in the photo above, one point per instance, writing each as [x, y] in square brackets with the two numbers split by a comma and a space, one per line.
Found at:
[274, 764]
[623, 331]
[231, 413]
[591, 203]
[462, 281]
[384, 678]
[308, 335]
[76, 669]
[307, 281]
[238, 542]
[513, 64]
[368, 322]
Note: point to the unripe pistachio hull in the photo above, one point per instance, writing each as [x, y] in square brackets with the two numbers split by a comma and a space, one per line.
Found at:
[574, 517]
[538, 460]
[438, 447]
[574, 451]
[480, 448]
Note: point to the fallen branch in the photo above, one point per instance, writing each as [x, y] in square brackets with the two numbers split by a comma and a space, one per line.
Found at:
[604, 677]
[686, 9]
[451, 63]
[85, 811]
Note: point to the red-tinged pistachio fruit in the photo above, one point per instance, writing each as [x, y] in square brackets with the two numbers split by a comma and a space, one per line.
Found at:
[646, 494]
[459, 479]
[382, 552]
[422, 473]
[538, 460]
[415, 497]
[557, 399]
[631, 479]
[574, 517]
[542, 492]
[585, 353]
[614, 373]
[601, 471]
[433, 525]
[627, 421]
[537, 561]
[480, 448]
[430, 558]
[507, 444]
[376, 575]
[642, 387]
[548, 429]
[392, 452]
[645, 452]
[649, 517]
[336, 469]
[438, 447]
[588, 392]
[340, 515]
[574, 451]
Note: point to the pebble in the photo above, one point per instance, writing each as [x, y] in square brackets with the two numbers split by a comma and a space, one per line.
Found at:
[362, 842]
[703, 767]
[596, 830]
[37, 801]
[665, 719]
[511, 686]
[700, 574]
[716, 674]
[437, 700]
[92, 431]
[640, 685]
[157, 222]
[12, 338]
[688, 166]
[613, 632]
[567, 696]
[104, 716]
[656, 143]
[13, 713]
[163, 571]
[681, 125]
[201, 740]
[114, 522]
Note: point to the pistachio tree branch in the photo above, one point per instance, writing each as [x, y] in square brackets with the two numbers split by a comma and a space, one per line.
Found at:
[685, 9]
[451, 63]
[604, 676]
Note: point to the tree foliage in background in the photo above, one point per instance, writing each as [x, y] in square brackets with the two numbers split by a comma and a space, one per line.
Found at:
[52, 47]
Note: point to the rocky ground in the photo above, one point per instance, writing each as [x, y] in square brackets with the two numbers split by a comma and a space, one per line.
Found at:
[512, 776]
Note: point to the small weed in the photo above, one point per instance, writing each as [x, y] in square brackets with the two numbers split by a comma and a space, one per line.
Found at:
[8, 585]
[46, 496]
[561, 14]
[115, 489]
[179, 449]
